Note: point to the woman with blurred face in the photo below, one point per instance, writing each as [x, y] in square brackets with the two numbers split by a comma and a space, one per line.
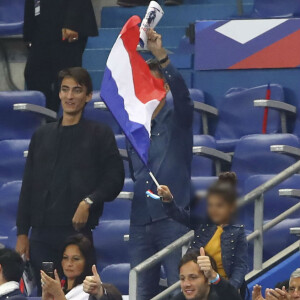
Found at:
[217, 233]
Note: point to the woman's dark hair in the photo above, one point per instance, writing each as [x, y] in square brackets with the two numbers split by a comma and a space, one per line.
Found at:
[12, 265]
[86, 249]
[192, 255]
[80, 75]
[225, 187]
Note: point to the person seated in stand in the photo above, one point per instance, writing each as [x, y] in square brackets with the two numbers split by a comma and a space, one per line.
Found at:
[200, 281]
[77, 278]
[221, 238]
[292, 292]
[11, 270]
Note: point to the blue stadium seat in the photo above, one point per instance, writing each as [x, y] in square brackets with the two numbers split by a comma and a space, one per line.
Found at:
[238, 116]
[109, 242]
[276, 8]
[18, 124]
[282, 230]
[196, 95]
[273, 203]
[100, 115]
[118, 275]
[12, 160]
[11, 17]
[252, 155]
[202, 166]
[121, 142]
[119, 209]
[9, 197]
[297, 123]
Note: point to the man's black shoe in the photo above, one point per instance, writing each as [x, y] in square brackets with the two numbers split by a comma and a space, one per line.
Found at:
[173, 2]
[131, 3]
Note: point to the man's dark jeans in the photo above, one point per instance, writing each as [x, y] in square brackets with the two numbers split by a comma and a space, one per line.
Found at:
[46, 246]
[147, 240]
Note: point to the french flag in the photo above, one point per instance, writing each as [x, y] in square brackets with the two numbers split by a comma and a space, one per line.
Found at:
[129, 89]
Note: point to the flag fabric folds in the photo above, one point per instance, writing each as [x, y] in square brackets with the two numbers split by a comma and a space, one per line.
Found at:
[129, 89]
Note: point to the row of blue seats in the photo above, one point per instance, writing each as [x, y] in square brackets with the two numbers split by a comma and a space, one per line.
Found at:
[113, 252]
[12, 11]
[252, 161]
[251, 156]
[236, 115]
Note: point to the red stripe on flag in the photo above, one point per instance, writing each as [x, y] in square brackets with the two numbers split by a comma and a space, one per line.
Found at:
[147, 87]
[283, 54]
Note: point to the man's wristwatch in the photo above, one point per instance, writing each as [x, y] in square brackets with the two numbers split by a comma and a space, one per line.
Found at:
[164, 60]
[88, 201]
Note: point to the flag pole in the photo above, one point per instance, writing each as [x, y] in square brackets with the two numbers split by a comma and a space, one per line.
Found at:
[154, 179]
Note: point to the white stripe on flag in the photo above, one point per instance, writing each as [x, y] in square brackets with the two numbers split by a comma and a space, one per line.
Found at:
[119, 64]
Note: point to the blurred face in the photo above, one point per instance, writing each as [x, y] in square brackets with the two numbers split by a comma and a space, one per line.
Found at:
[157, 75]
[219, 211]
[193, 283]
[73, 262]
[294, 289]
[73, 96]
[163, 101]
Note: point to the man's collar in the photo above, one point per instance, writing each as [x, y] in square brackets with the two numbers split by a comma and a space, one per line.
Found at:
[8, 287]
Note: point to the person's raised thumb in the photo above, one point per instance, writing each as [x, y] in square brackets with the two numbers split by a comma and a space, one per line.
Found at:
[202, 251]
[94, 270]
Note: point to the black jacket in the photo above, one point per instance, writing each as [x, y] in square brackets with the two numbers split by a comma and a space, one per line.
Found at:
[221, 291]
[77, 15]
[110, 293]
[14, 295]
[53, 186]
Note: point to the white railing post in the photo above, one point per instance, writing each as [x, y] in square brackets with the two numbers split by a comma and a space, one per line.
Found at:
[133, 284]
[258, 226]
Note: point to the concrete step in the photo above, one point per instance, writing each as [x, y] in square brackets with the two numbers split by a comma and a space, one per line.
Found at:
[108, 36]
[112, 17]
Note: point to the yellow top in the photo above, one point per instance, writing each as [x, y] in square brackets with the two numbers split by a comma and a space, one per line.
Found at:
[213, 249]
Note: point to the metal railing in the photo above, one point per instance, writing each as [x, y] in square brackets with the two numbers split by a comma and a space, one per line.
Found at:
[256, 196]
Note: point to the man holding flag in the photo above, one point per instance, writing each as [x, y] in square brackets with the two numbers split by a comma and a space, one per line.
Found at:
[170, 156]
[160, 141]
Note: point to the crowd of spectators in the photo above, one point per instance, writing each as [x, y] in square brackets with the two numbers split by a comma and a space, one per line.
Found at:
[74, 166]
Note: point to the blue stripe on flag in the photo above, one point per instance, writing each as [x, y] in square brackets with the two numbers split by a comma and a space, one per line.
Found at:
[136, 133]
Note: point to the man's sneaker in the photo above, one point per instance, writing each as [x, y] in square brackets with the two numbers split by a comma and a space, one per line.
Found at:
[131, 3]
[173, 2]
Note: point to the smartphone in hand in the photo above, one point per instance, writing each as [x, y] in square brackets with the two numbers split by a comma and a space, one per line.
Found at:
[48, 268]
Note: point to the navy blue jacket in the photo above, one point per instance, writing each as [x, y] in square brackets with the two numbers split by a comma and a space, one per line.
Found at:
[170, 154]
[234, 245]
[14, 295]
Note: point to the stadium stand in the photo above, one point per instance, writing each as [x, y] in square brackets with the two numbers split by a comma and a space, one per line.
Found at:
[274, 204]
[12, 160]
[252, 155]
[11, 17]
[276, 9]
[31, 114]
[232, 126]
[9, 195]
[278, 273]
[235, 125]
